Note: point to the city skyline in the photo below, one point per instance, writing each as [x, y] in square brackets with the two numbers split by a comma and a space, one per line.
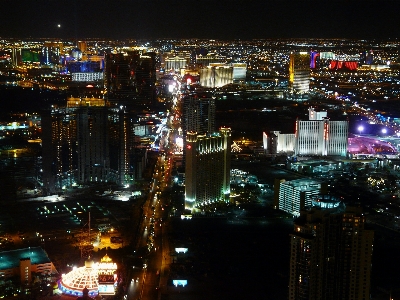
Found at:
[198, 19]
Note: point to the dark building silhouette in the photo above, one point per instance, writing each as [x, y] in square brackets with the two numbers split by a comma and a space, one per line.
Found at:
[85, 295]
[129, 79]
[330, 254]
[89, 141]
[119, 77]
[93, 144]
[146, 79]
[366, 57]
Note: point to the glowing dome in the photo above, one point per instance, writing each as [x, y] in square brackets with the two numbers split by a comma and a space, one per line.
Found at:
[75, 281]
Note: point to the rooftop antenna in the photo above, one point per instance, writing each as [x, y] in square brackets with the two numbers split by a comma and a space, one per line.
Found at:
[86, 247]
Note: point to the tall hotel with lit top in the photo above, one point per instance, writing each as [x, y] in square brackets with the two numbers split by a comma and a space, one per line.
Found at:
[321, 136]
[330, 255]
[299, 74]
[207, 171]
[198, 115]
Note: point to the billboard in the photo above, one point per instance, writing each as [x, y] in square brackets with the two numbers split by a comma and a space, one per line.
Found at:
[343, 65]
[29, 56]
[107, 280]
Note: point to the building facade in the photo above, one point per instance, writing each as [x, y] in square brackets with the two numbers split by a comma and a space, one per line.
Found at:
[296, 194]
[207, 170]
[120, 77]
[321, 136]
[176, 63]
[217, 75]
[299, 74]
[198, 115]
[24, 262]
[330, 255]
[317, 136]
[275, 142]
[93, 144]
[89, 141]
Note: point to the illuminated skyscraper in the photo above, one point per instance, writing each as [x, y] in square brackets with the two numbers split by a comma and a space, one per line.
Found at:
[51, 53]
[299, 74]
[82, 45]
[330, 255]
[321, 136]
[316, 136]
[314, 57]
[127, 159]
[198, 115]
[207, 174]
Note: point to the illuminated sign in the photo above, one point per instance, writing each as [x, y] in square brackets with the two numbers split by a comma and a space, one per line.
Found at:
[180, 250]
[188, 217]
[106, 278]
[106, 289]
[106, 266]
[181, 282]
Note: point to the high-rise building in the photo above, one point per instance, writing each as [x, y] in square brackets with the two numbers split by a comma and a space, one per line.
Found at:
[127, 158]
[299, 74]
[89, 141]
[321, 136]
[316, 136]
[198, 113]
[146, 79]
[296, 194]
[314, 58]
[207, 173]
[330, 255]
[59, 141]
[51, 53]
[93, 147]
[119, 77]
[82, 45]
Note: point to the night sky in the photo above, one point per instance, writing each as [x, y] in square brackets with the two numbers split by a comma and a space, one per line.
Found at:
[235, 19]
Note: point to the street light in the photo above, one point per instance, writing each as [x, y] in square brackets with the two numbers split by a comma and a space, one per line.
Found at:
[384, 130]
[360, 129]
